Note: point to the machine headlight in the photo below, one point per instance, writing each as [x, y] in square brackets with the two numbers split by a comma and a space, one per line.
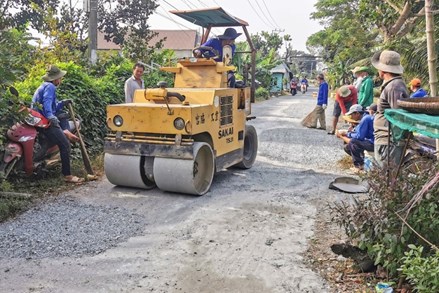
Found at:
[179, 123]
[118, 120]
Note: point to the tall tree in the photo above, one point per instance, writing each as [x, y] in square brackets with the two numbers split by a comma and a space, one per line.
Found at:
[264, 42]
[23, 13]
[345, 38]
[125, 22]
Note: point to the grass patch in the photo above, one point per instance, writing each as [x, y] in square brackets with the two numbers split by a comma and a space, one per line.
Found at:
[345, 163]
[39, 187]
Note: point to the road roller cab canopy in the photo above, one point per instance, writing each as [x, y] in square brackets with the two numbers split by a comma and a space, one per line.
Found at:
[217, 17]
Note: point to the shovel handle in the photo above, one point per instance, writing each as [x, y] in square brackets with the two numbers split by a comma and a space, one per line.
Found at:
[85, 157]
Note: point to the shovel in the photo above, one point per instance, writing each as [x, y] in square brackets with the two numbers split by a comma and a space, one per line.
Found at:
[90, 174]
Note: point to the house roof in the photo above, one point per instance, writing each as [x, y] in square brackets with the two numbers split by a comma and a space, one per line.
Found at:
[281, 68]
[175, 40]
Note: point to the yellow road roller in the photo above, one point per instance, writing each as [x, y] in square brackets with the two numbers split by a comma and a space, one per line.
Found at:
[178, 138]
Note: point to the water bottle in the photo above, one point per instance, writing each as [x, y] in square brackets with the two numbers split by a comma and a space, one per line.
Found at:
[367, 164]
[383, 288]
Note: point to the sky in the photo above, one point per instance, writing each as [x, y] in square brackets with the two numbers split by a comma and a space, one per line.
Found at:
[285, 17]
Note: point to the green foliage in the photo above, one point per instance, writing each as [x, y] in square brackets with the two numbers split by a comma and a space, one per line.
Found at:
[262, 93]
[126, 23]
[344, 41]
[373, 221]
[264, 42]
[111, 85]
[14, 53]
[81, 88]
[11, 206]
[20, 13]
[421, 270]
[263, 67]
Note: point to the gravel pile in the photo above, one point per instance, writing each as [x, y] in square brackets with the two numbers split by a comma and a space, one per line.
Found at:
[292, 144]
[67, 228]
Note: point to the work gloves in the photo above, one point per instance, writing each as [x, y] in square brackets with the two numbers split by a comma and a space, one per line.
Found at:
[54, 122]
[324, 106]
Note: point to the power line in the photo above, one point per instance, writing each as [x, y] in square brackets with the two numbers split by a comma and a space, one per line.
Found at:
[170, 4]
[257, 13]
[190, 7]
[214, 31]
[216, 3]
[162, 15]
[202, 3]
[257, 3]
[269, 13]
[179, 25]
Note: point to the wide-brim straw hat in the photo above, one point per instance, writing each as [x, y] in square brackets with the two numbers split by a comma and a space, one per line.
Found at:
[344, 91]
[53, 73]
[349, 119]
[388, 61]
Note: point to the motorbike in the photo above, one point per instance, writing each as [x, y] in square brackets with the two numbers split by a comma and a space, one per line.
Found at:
[293, 88]
[27, 148]
[303, 87]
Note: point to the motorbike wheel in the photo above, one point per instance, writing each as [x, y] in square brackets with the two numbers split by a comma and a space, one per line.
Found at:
[6, 168]
[40, 148]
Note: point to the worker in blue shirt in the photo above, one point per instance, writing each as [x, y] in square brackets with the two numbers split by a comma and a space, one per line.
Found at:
[217, 44]
[45, 102]
[322, 102]
[361, 138]
[418, 91]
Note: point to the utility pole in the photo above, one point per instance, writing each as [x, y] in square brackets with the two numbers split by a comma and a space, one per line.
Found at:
[93, 30]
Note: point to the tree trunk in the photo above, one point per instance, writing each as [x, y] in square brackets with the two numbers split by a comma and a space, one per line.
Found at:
[432, 57]
[431, 52]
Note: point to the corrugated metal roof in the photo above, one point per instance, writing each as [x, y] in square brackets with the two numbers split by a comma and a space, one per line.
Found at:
[209, 17]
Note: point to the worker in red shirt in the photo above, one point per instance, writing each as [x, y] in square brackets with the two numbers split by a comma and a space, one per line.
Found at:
[345, 97]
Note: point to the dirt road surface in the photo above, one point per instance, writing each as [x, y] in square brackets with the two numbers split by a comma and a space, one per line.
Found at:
[248, 234]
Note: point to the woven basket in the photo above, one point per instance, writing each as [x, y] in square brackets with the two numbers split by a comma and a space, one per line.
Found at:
[420, 105]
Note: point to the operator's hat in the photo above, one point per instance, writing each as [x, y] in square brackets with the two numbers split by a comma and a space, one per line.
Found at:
[53, 73]
[355, 108]
[229, 34]
[388, 61]
[344, 91]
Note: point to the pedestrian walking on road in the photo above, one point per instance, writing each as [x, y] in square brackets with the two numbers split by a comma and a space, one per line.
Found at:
[390, 71]
[318, 113]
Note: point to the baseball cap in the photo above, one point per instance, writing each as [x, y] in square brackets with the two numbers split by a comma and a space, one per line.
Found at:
[415, 82]
[355, 108]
